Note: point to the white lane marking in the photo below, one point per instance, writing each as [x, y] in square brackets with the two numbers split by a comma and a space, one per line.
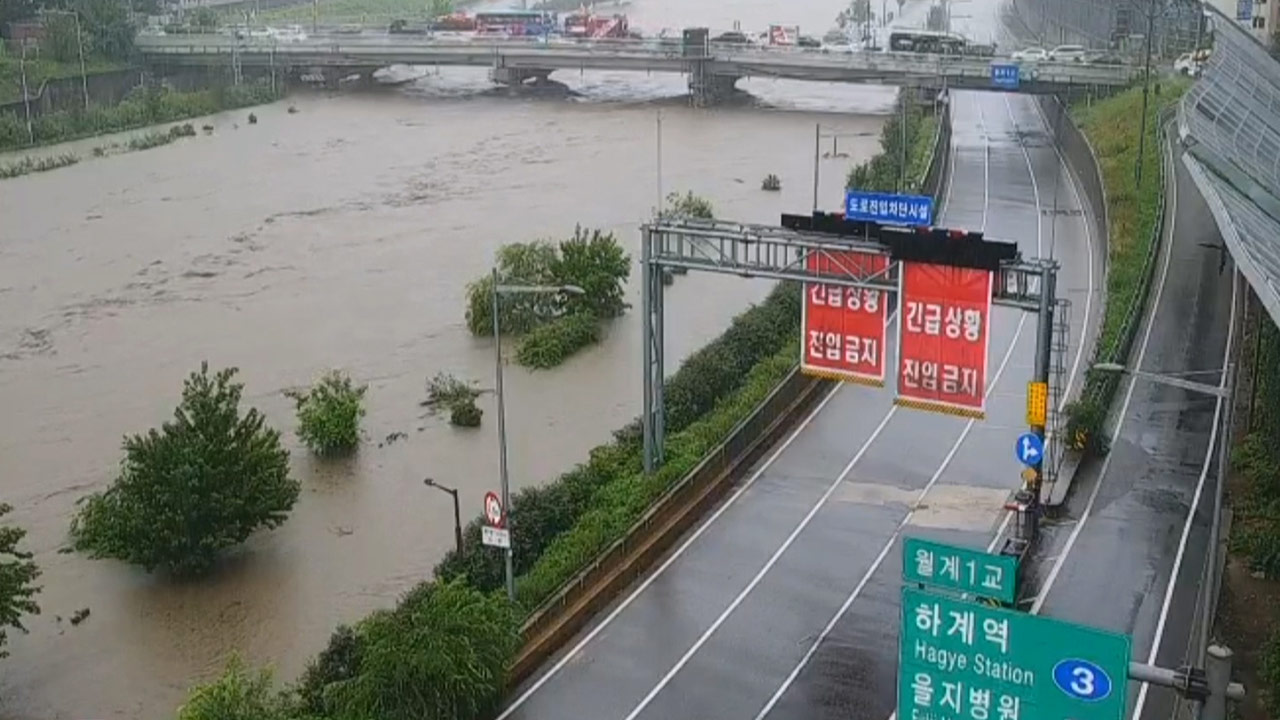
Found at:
[1124, 411]
[1195, 504]
[1073, 183]
[577, 648]
[1035, 185]
[537, 685]
[884, 551]
[986, 162]
[1004, 524]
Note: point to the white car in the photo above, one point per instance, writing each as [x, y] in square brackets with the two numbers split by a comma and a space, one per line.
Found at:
[1187, 64]
[1068, 53]
[1032, 54]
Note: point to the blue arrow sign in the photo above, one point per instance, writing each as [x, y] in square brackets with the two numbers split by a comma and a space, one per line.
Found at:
[1005, 76]
[1030, 449]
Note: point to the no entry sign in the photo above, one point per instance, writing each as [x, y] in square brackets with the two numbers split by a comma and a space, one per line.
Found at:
[943, 338]
[844, 327]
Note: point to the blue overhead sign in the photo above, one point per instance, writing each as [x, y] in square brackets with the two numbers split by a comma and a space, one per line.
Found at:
[1030, 449]
[888, 208]
[1005, 76]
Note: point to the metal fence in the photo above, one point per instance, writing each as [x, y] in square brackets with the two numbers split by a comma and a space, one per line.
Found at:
[1117, 24]
[1230, 123]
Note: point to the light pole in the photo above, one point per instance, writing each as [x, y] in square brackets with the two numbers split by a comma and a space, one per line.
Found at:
[1224, 391]
[499, 289]
[84, 79]
[457, 516]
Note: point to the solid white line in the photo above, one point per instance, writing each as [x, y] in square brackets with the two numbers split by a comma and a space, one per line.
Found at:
[1124, 411]
[986, 163]
[884, 551]
[1073, 183]
[667, 563]
[1035, 185]
[1195, 504]
[724, 615]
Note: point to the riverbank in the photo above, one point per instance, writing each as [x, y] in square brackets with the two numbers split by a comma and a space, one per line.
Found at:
[142, 108]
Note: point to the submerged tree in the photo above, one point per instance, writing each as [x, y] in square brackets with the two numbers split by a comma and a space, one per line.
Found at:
[17, 577]
[203, 482]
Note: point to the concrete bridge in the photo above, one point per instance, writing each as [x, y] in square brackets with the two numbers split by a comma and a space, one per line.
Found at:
[712, 68]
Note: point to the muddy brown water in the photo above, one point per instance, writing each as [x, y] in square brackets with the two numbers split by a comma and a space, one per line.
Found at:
[341, 236]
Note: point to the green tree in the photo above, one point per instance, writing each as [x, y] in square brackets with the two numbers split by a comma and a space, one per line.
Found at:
[17, 577]
[238, 694]
[531, 263]
[688, 206]
[15, 10]
[437, 8]
[60, 39]
[204, 18]
[860, 12]
[442, 654]
[204, 482]
[594, 261]
[329, 414]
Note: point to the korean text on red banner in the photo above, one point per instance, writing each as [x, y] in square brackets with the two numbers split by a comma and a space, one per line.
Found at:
[943, 338]
[844, 326]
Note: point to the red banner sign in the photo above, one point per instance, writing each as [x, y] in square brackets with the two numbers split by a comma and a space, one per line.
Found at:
[943, 338]
[844, 327]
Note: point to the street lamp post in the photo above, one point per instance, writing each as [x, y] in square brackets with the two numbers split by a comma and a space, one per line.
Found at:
[502, 421]
[457, 515]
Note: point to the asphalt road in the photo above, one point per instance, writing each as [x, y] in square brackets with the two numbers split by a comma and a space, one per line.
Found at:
[785, 601]
[1141, 518]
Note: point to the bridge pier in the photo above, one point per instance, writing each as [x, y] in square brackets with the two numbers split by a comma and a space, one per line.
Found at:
[515, 76]
[707, 88]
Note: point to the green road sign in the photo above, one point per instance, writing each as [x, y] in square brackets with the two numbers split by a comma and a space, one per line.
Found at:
[961, 660]
[961, 569]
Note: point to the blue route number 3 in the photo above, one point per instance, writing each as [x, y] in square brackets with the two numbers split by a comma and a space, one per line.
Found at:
[1082, 680]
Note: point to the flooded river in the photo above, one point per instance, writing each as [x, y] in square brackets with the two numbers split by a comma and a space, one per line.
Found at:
[342, 236]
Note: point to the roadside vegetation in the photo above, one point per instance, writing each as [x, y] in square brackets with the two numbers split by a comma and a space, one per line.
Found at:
[1113, 127]
[143, 107]
[883, 172]
[28, 165]
[204, 482]
[447, 393]
[342, 12]
[1250, 614]
[554, 325]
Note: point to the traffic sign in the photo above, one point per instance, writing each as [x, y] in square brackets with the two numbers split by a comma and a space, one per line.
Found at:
[844, 327]
[960, 660]
[1037, 404]
[493, 510]
[1005, 76]
[914, 210]
[1029, 449]
[495, 537]
[961, 569]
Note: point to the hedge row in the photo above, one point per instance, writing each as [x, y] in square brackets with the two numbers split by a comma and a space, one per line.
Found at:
[546, 346]
[540, 514]
[882, 172]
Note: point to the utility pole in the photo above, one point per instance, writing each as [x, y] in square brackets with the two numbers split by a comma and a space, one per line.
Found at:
[26, 97]
[1146, 91]
[84, 79]
[903, 96]
[817, 140]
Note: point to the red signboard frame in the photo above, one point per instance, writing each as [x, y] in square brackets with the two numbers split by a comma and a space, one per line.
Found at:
[844, 326]
[944, 338]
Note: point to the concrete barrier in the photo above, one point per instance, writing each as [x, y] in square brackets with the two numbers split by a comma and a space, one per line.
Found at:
[565, 613]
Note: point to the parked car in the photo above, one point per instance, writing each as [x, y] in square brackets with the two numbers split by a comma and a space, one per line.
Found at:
[1188, 64]
[733, 37]
[1031, 54]
[1069, 53]
[806, 41]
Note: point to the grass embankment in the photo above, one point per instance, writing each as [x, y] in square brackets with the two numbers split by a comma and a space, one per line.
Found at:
[39, 70]
[151, 106]
[1250, 614]
[882, 173]
[1113, 127]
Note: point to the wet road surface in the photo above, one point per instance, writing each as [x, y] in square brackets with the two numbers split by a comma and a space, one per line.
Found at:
[1140, 519]
[785, 601]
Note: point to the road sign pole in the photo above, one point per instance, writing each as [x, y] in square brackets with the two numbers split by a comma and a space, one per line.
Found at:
[1217, 671]
[1044, 350]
